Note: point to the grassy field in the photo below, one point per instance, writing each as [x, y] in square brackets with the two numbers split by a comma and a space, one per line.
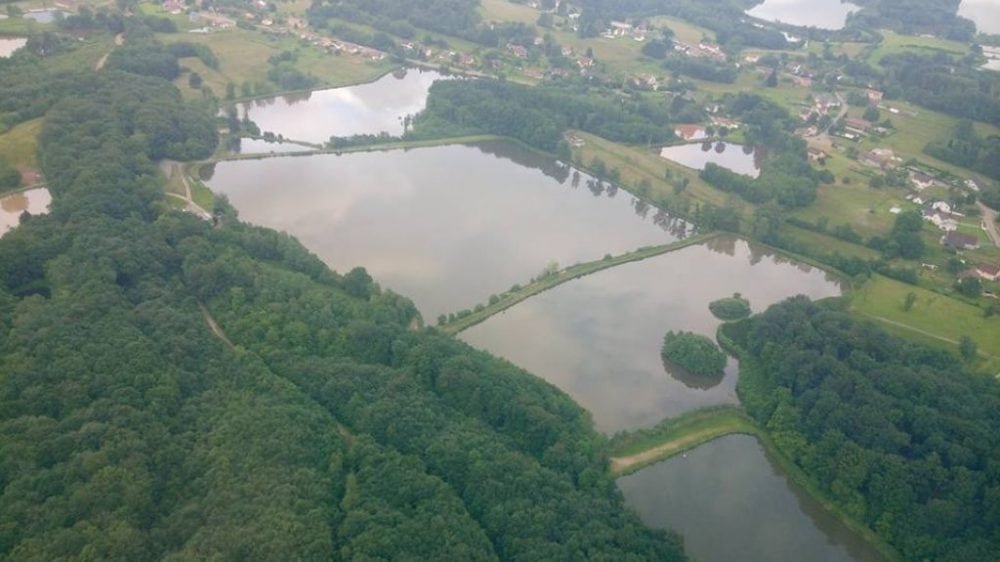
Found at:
[636, 164]
[19, 145]
[819, 244]
[896, 43]
[502, 10]
[933, 315]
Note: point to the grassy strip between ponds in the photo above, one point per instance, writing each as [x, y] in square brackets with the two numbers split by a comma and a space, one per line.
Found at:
[376, 147]
[634, 450]
[510, 298]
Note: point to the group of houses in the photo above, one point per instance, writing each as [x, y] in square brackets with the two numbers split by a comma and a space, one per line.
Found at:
[625, 29]
[703, 49]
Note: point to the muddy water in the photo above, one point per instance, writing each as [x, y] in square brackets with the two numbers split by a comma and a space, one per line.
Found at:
[598, 338]
[446, 226]
[738, 158]
[731, 502]
[372, 108]
[34, 201]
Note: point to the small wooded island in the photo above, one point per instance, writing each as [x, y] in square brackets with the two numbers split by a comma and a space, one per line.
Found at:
[731, 308]
[694, 352]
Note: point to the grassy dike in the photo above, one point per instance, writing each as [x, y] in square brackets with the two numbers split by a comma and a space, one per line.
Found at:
[510, 298]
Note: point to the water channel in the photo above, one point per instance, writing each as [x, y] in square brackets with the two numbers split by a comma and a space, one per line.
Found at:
[822, 14]
[370, 109]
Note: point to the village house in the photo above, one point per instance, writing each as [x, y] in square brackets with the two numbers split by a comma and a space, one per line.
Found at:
[881, 158]
[988, 272]
[620, 29]
[920, 180]
[857, 126]
[816, 155]
[941, 220]
[518, 51]
[959, 241]
[725, 122]
[874, 96]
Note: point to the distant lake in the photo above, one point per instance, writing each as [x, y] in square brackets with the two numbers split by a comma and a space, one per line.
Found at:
[598, 338]
[371, 108]
[10, 44]
[35, 201]
[731, 503]
[823, 14]
[736, 157]
[985, 13]
[446, 226]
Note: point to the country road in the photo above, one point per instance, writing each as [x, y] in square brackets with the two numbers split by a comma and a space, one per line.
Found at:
[990, 224]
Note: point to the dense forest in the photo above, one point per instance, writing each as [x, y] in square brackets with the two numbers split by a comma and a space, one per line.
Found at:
[939, 82]
[539, 115]
[915, 17]
[900, 435]
[316, 423]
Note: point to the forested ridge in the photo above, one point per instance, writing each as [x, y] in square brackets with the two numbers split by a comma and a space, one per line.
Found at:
[329, 430]
[899, 435]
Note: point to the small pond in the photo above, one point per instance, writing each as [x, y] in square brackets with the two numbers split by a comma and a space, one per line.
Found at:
[10, 44]
[598, 338]
[260, 146]
[373, 108]
[44, 16]
[34, 201]
[823, 14]
[731, 502]
[736, 157]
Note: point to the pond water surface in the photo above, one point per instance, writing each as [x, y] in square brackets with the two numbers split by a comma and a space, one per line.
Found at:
[985, 13]
[598, 338]
[44, 16]
[736, 157]
[259, 146]
[823, 14]
[372, 108]
[731, 502]
[446, 226]
[35, 201]
[10, 44]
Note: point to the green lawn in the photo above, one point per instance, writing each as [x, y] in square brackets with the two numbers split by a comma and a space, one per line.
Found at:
[933, 315]
[19, 145]
[502, 10]
[895, 43]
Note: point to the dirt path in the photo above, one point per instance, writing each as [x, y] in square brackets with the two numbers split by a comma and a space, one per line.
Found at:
[119, 41]
[990, 224]
[622, 464]
[214, 326]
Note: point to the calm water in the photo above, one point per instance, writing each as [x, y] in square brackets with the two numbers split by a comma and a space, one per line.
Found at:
[732, 503]
[35, 201]
[738, 158]
[446, 226]
[824, 14]
[371, 108]
[598, 338]
[10, 44]
[258, 146]
[986, 14]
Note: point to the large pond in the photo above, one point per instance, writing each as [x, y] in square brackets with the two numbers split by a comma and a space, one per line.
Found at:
[35, 201]
[823, 14]
[598, 338]
[736, 157]
[372, 108]
[985, 13]
[731, 502]
[10, 44]
[446, 226]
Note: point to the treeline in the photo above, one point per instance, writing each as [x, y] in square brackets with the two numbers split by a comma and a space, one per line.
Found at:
[724, 17]
[319, 425]
[968, 149]
[898, 434]
[701, 68]
[915, 17]
[939, 82]
[458, 18]
[539, 115]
